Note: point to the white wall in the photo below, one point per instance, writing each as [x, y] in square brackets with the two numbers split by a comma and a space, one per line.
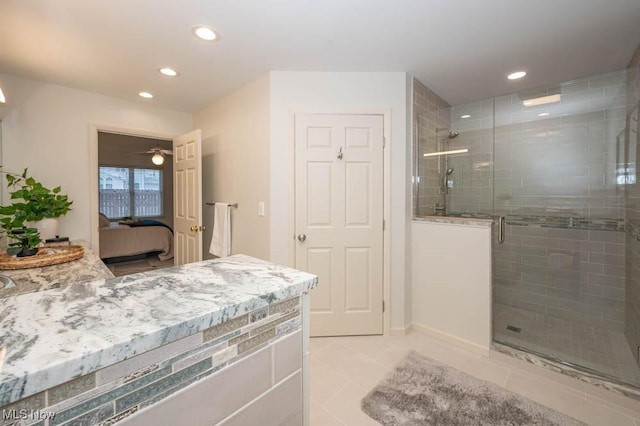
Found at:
[46, 128]
[344, 92]
[235, 156]
[451, 274]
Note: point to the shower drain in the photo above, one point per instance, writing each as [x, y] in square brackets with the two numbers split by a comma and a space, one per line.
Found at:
[512, 328]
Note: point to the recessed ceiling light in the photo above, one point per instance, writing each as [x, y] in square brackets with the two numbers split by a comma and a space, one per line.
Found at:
[516, 75]
[146, 95]
[169, 72]
[204, 33]
[543, 114]
[465, 116]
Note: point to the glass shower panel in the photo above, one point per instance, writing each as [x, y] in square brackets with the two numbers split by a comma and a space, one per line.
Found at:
[452, 161]
[470, 191]
[427, 170]
[559, 276]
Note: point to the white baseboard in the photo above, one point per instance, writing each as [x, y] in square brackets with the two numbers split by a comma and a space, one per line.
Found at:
[483, 350]
[400, 331]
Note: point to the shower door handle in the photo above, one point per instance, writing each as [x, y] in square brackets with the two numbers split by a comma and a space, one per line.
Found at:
[501, 230]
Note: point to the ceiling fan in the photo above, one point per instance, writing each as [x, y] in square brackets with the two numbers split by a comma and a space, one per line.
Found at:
[157, 154]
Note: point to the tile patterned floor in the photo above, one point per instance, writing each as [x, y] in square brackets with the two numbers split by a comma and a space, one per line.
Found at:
[596, 348]
[344, 369]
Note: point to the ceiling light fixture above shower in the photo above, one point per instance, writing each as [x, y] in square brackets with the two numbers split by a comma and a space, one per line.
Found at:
[516, 75]
[455, 151]
[542, 100]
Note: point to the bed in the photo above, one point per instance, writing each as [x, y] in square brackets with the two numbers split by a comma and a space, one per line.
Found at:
[119, 240]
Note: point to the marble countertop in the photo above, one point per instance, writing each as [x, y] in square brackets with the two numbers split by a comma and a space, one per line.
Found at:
[55, 335]
[88, 268]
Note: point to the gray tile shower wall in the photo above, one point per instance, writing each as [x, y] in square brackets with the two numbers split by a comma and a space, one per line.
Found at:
[564, 176]
[632, 203]
[575, 274]
[471, 189]
[560, 164]
[632, 295]
[555, 178]
[430, 113]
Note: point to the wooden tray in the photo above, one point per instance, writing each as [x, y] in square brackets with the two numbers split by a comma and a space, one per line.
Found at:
[46, 256]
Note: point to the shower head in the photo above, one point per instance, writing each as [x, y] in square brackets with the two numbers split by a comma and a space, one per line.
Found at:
[452, 133]
[449, 171]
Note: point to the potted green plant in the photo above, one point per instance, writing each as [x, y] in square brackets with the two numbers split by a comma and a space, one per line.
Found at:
[33, 206]
[26, 239]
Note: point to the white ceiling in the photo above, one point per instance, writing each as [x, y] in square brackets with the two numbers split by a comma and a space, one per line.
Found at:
[461, 49]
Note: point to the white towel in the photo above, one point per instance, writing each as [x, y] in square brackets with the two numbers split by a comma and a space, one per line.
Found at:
[221, 239]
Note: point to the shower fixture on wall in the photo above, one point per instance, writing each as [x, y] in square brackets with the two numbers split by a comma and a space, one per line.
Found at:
[445, 177]
[442, 208]
[452, 133]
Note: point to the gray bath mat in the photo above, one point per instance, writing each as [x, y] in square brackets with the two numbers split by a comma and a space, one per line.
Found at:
[421, 391]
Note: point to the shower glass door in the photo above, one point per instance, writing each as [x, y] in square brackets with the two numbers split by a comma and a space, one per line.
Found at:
[559, 275]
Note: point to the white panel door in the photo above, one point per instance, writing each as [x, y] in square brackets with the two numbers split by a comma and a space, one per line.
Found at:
[187, 196]
[339, 219]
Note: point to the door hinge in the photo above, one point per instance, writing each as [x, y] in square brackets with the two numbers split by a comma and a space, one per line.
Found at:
[384, 142]
[383, 306]
[384, 224]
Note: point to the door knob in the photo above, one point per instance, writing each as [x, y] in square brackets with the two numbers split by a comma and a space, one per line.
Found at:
[196, 228]
[302, 238]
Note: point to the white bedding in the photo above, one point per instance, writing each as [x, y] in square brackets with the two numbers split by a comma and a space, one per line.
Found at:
[122, 240]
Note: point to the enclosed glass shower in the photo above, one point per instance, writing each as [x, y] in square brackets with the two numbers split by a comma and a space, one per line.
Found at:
[552, 168]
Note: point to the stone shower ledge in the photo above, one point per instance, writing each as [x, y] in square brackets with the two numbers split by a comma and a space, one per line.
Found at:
[456, 220]
[56, 335]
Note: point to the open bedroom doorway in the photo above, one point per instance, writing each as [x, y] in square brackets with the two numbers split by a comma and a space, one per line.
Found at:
[135, 202]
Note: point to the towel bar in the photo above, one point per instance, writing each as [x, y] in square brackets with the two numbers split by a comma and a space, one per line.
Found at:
[230, 205]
